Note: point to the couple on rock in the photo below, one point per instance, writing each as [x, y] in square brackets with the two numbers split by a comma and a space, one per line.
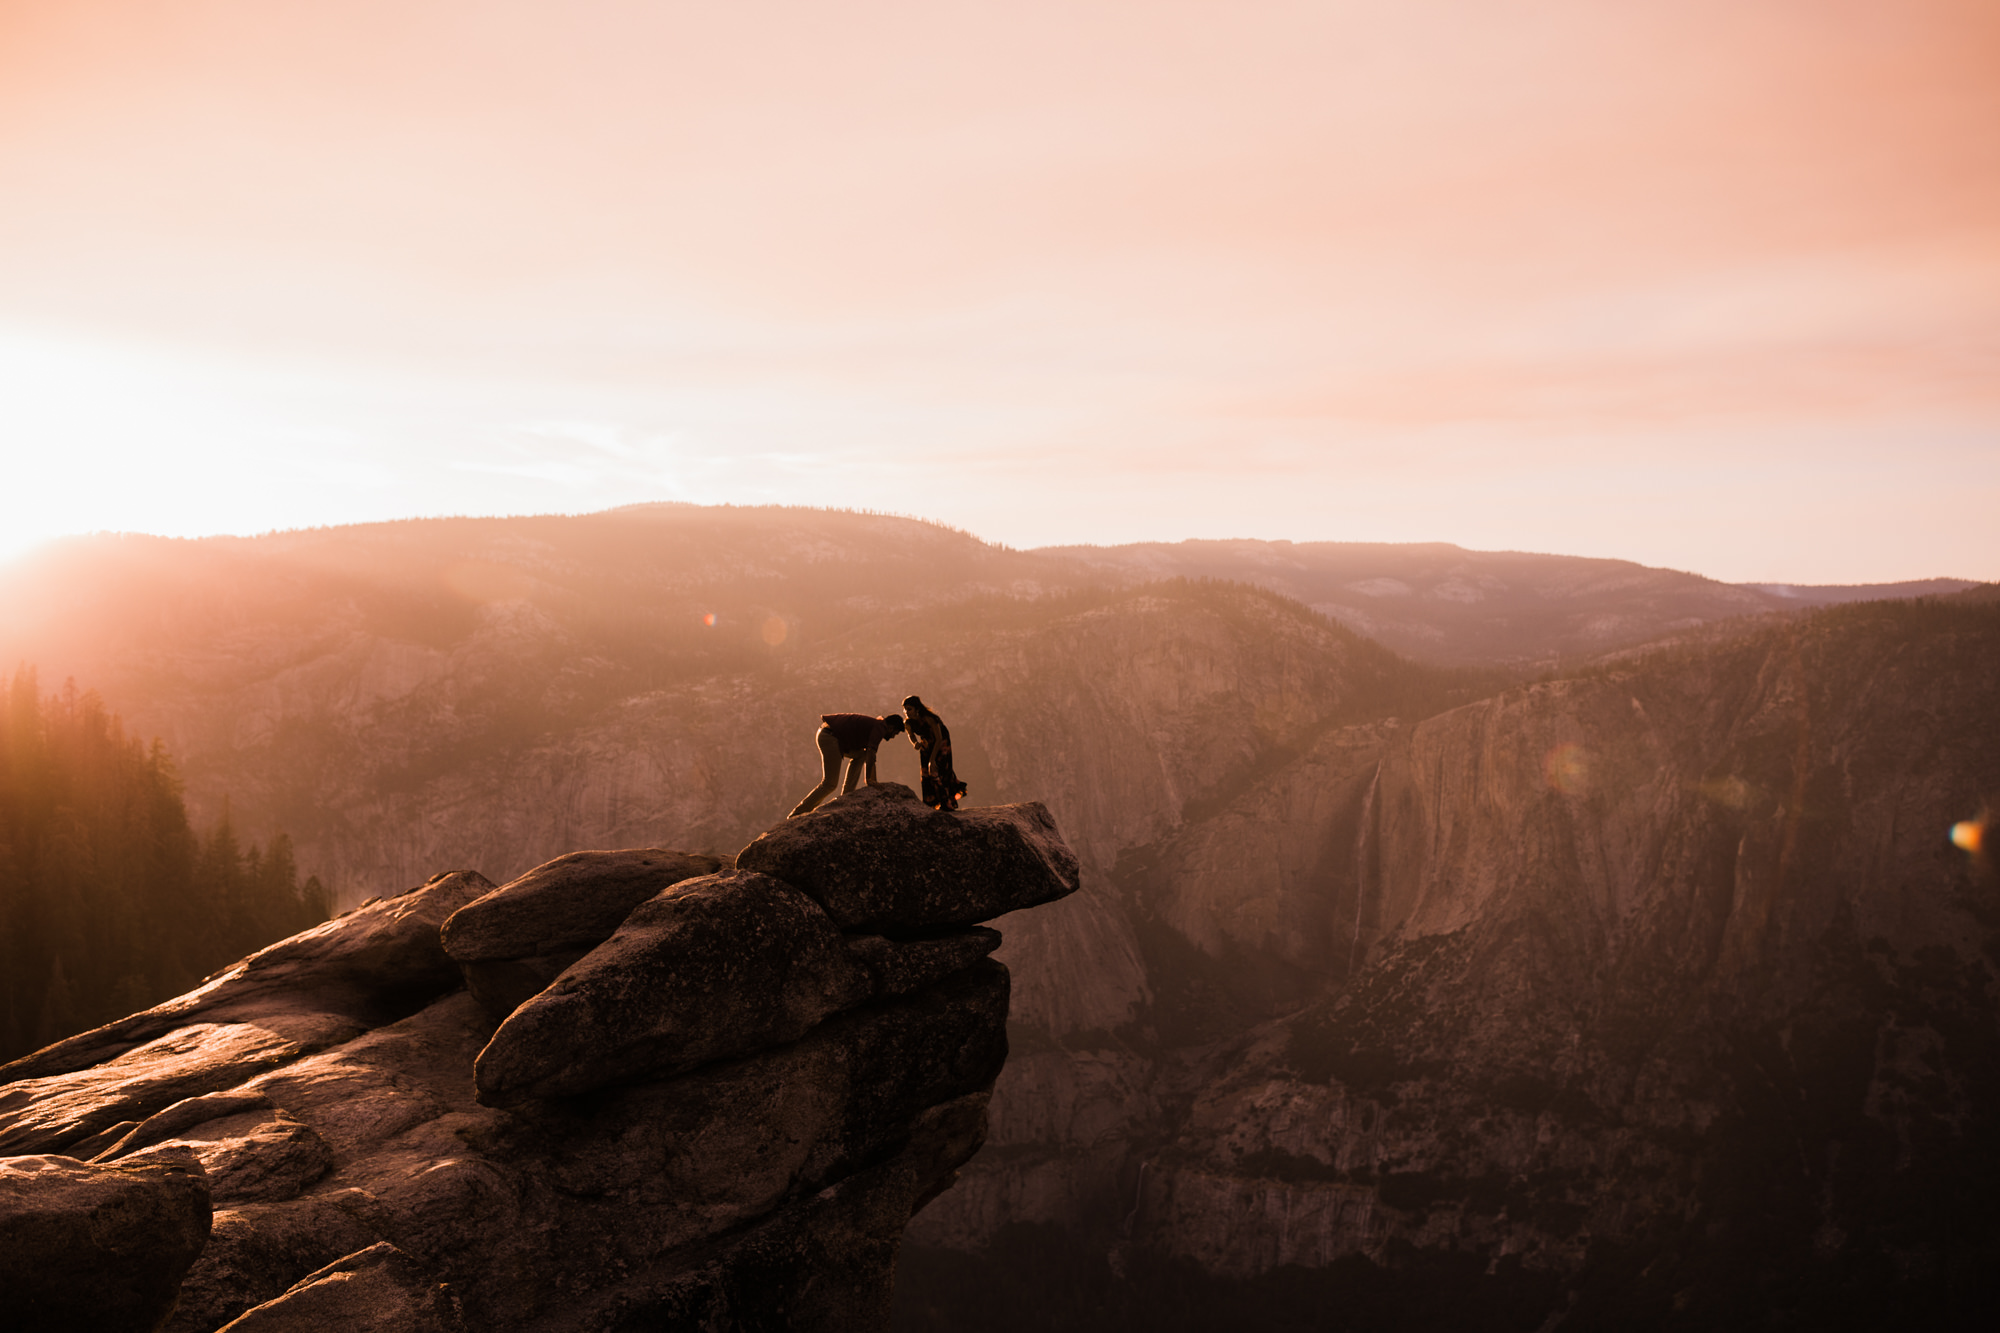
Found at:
[854, 737]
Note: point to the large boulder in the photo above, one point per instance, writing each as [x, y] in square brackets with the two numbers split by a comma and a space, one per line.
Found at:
[879, 860]
[715, 966]
[96, 1247]
[572, 902]
[376, 1290]
[511, 943]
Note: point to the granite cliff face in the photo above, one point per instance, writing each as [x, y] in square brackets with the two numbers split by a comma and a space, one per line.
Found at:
[1658, 997]
[720, 1114]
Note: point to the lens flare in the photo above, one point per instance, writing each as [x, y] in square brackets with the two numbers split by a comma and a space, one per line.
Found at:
[774, 631]
[1567, 769]
[709, 619]
[1969, 835]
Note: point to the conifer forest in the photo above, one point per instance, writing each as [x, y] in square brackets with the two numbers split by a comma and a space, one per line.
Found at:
[110, 901]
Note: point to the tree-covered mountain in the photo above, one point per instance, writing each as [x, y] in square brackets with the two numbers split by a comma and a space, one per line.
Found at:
[109, 901]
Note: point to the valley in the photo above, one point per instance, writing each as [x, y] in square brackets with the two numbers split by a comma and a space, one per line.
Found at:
[1587, 942]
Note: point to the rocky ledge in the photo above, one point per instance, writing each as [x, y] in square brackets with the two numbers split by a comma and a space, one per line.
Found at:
[630, 1089]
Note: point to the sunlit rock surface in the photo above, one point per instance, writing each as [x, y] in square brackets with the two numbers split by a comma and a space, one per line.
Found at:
[723, 1115]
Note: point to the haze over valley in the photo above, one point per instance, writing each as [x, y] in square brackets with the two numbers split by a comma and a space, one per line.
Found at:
[1393, 956]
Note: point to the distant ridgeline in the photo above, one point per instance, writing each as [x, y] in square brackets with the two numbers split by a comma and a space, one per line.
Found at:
[109, 901]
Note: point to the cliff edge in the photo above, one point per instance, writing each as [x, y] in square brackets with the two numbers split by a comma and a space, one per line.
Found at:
[628, 1089]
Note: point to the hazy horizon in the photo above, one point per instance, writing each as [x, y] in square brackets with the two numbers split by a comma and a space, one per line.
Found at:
[1707, 286]
[22, 556]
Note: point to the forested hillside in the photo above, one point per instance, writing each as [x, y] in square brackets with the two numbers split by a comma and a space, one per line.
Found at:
[109, 901]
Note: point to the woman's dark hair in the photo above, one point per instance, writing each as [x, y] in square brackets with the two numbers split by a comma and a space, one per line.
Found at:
[892, 725]
[914, 705]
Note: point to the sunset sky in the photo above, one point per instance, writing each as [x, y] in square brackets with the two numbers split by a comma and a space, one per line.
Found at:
[1711, 284]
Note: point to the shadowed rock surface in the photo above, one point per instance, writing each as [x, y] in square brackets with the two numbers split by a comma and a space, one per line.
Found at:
[717, 966]
[376, 1290]
[101, 1248]
[722, 1116]
[880, 860]
[517, 939]
[572, 902]
[897, 967]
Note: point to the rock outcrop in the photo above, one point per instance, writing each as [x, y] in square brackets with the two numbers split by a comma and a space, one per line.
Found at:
[512, 943]
[913, 870]
[96, 1247]
[713, 967]
[723, 1113]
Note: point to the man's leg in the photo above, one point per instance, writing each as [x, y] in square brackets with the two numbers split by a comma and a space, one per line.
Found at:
[829, 758]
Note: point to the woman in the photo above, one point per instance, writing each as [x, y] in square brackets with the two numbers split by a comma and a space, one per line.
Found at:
[932, 739]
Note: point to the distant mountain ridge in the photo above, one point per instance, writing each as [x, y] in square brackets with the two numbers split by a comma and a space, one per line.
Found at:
[1831, 594]
[1441, 603]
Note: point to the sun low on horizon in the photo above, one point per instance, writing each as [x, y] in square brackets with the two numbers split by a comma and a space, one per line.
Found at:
[1712, 286]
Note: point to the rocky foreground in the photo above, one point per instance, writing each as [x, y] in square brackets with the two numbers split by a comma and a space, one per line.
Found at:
[627, 1089]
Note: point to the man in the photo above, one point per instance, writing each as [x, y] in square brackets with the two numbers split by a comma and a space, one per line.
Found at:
[853, 737]
[933, 741]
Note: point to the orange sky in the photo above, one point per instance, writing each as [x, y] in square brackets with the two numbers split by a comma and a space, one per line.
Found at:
[1706, 284]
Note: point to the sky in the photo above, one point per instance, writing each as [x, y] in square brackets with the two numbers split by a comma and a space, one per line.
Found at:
[1708, 284]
